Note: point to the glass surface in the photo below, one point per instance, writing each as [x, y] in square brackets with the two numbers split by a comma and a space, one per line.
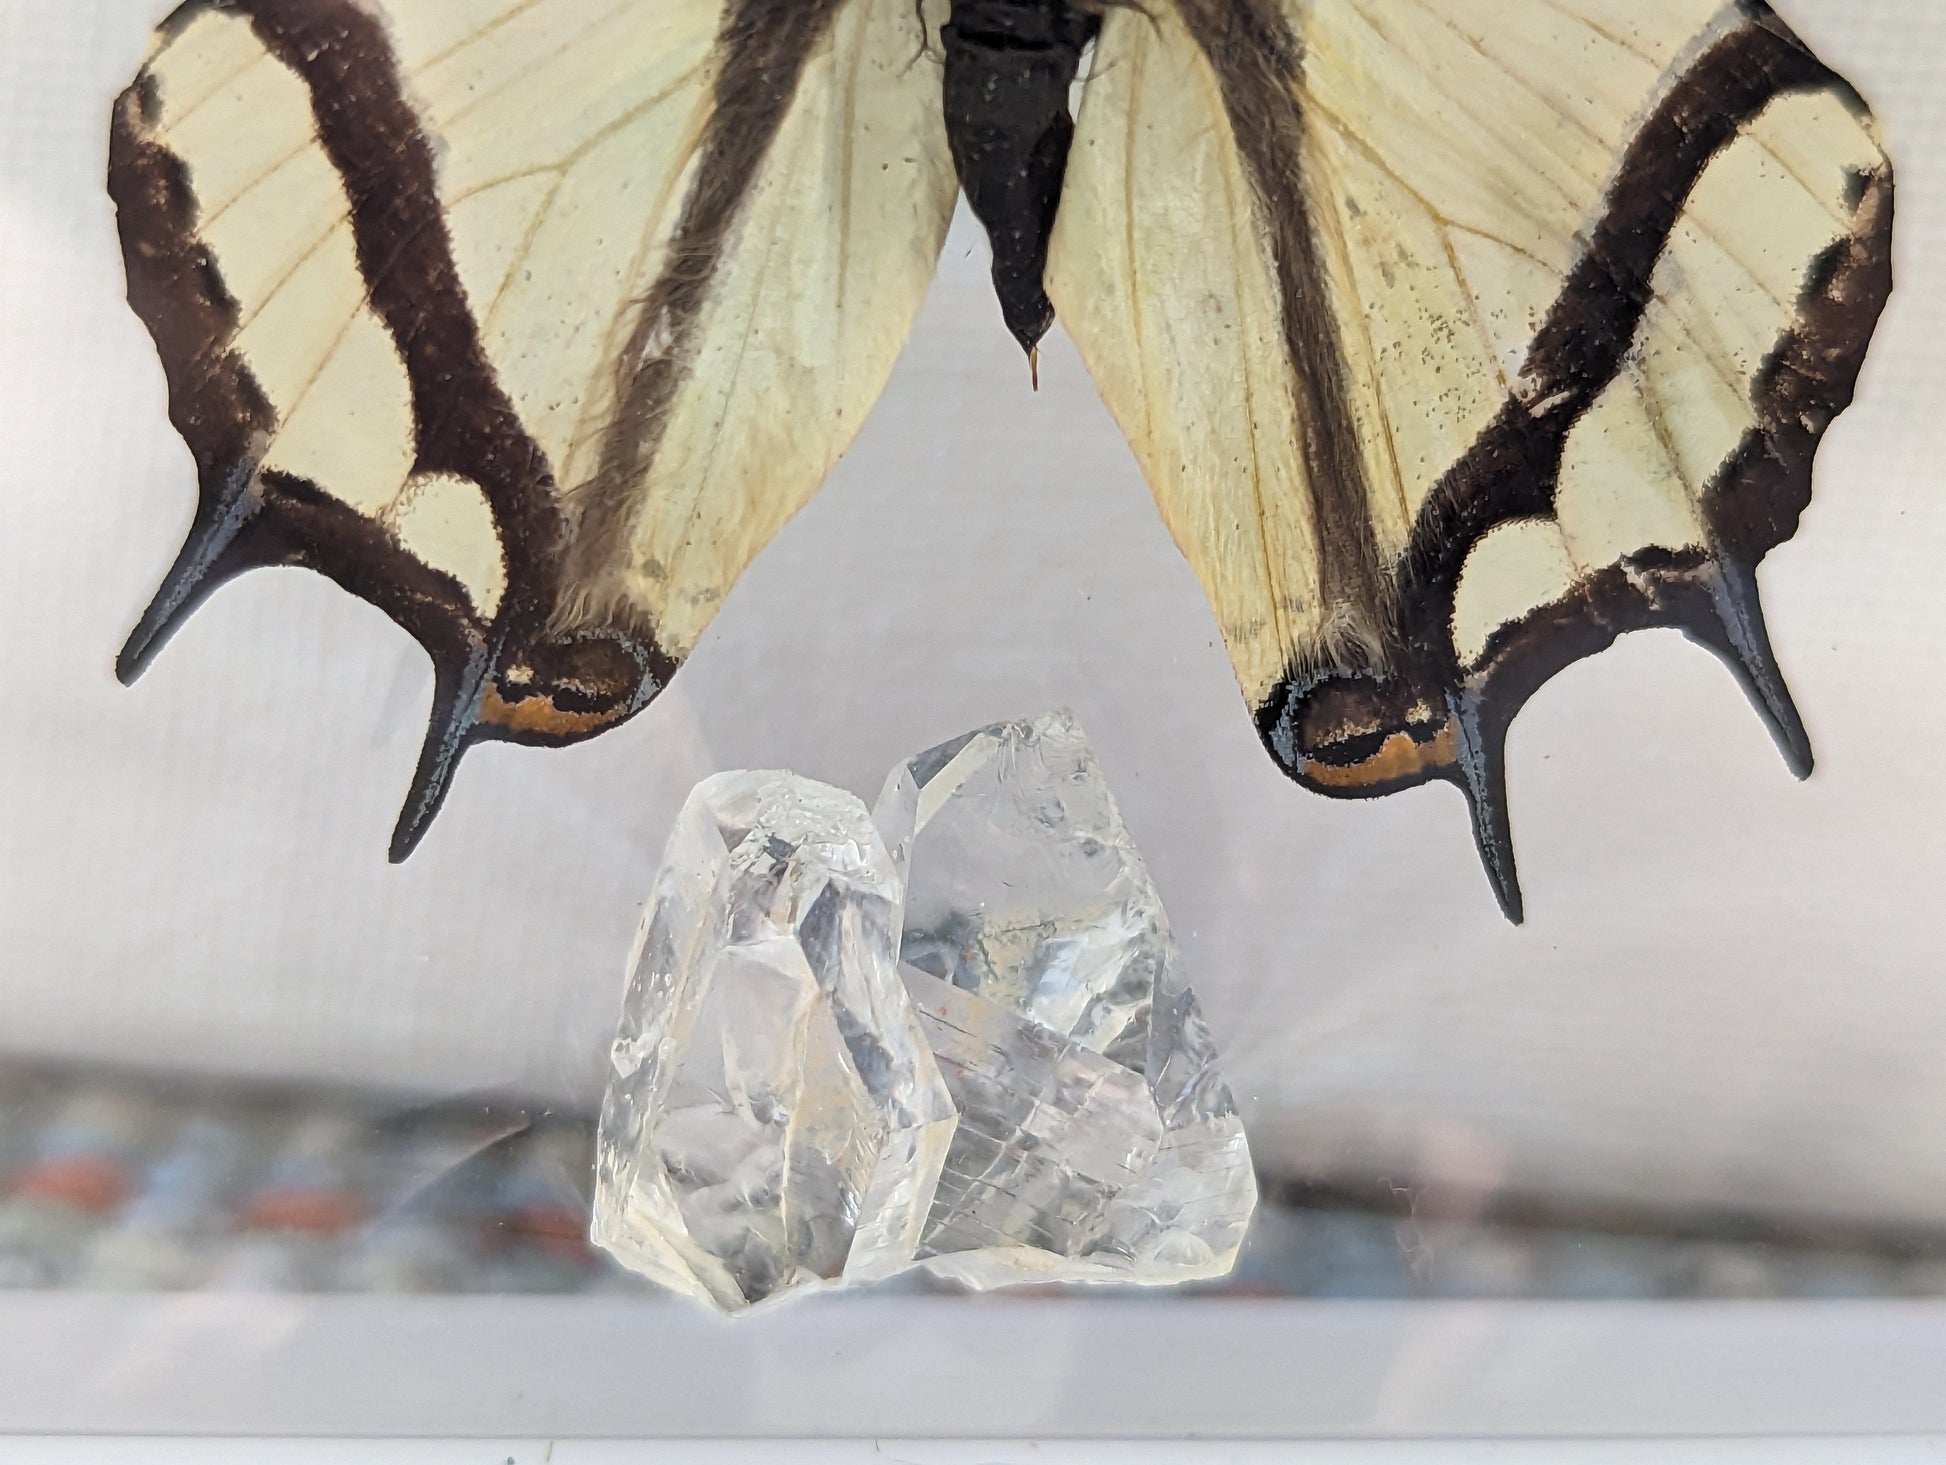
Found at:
[277, 1112]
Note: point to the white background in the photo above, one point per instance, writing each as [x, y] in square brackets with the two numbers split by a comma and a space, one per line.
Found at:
[1906, 1451]
[1004, 1366]
[1728, 990]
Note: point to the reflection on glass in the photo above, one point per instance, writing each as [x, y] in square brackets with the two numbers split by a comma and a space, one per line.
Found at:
[125, 1182]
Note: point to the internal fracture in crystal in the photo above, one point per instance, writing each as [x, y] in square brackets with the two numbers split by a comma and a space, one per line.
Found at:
[775, 1118]
[1097, 1140]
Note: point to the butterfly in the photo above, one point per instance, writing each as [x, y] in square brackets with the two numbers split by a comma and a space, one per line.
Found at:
[1455, 338]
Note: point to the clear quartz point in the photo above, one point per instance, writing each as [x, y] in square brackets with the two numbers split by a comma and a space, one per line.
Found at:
[1097, 1140]
[775, 1118]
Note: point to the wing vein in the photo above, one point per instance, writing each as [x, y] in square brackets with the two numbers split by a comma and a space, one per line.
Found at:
[1245, 245]
[1137, 64]
[1348, 135]
[249, 317]
[499, 22]
[1486, 123]
[1500, 66]
[213, 91]
[532, 64]
[1595, 26]
[846, 116]
[523, 249]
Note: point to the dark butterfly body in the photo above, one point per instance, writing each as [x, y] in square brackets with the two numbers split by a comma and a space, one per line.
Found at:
[1009, 68]
[1456, 337]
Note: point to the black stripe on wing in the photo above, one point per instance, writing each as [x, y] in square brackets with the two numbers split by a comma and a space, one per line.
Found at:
[1258, 62]
[763, 47]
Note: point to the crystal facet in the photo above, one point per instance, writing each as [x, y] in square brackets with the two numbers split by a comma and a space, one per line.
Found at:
[1097, 1141]
[775, 1118]
[954, 1032]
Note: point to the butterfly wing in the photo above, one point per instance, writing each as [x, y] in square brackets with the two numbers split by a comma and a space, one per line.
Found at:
[528, 321]
[1458, 337]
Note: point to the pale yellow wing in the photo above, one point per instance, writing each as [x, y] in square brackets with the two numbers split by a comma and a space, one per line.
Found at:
[530, 321]
[1457, 337]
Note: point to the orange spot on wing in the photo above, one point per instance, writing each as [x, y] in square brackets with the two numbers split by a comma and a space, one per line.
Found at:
[539, 717]
[1400, 757]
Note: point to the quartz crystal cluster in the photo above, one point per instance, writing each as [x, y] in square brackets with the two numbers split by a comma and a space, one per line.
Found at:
[952, 1033]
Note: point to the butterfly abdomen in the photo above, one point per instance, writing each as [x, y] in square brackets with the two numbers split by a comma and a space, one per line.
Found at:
[1009, 67]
